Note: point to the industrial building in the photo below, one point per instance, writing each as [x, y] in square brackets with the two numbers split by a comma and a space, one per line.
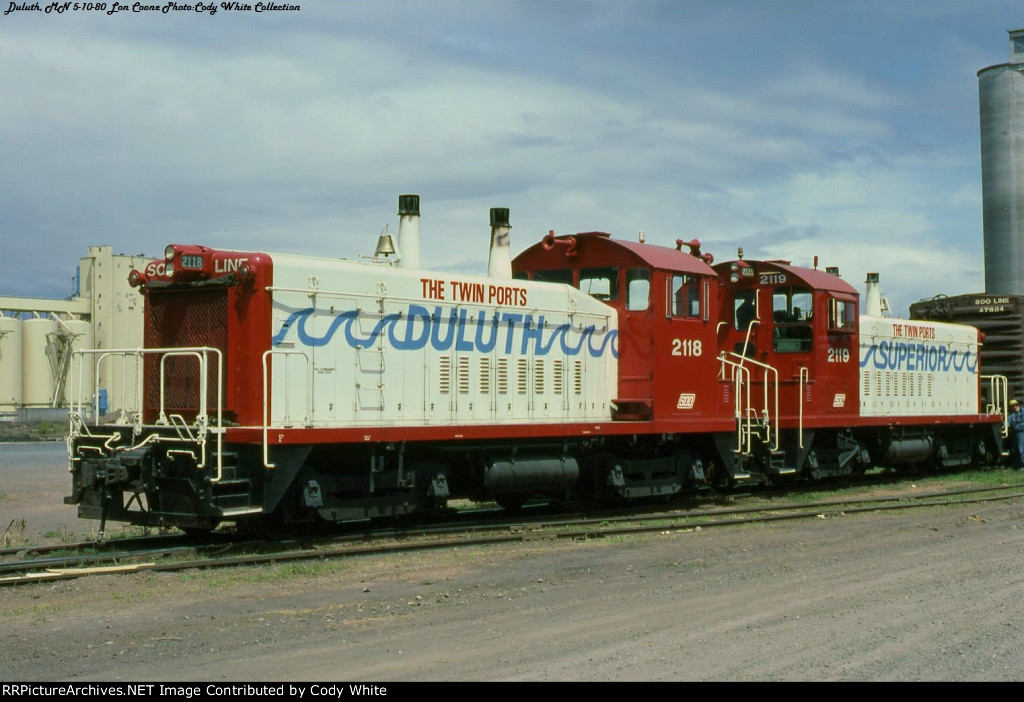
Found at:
[38, 337]
[999, 311]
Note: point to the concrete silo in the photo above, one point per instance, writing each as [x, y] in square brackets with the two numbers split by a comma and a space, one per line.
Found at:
[37, 362]
[10, 364]
[1001, 101]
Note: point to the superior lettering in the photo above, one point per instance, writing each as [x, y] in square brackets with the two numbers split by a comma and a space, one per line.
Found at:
[899, 355]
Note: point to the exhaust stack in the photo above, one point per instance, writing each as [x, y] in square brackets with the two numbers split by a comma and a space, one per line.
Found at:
[499, 262]
[409, 231]
[873, 298]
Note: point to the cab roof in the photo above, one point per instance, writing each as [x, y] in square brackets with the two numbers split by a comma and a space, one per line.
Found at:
[811, 277]
[599, 248]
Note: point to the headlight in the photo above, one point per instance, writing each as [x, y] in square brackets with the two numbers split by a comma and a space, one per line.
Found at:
[169, 269]
[169, 252]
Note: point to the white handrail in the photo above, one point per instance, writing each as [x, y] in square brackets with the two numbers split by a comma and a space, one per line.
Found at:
[287, 404]
[804, 373]
[999, 403]
[767, 369]
[738, 374]
[202, 421]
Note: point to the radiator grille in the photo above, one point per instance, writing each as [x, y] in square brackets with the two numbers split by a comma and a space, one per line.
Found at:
[179, 319]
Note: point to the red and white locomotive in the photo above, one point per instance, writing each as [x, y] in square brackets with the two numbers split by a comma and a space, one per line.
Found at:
[285, 389]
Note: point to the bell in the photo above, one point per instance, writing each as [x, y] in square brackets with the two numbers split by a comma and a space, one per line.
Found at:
[384, 244]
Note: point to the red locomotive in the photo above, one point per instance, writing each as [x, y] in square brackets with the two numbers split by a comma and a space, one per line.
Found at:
[278, 389]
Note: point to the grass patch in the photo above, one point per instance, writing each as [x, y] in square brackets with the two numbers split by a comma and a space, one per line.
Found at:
[901, 484]
[462, 505]
[307, 569]
[64, 535]
[14, 534]
[33, 431]
[71, 553]
[999, 476]
[130, 595]
[275, 573]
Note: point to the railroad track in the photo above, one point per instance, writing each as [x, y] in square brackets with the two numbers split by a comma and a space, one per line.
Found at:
[226, 553]
[464, 519]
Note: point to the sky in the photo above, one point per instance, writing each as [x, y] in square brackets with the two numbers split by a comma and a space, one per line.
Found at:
[791, 128]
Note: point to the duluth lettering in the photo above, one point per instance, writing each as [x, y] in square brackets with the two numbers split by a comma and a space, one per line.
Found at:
[449, 328]
[23, 7]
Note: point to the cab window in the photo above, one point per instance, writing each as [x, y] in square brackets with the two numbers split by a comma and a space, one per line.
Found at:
[600, 283]
[638, 289]
[792, 310]
[792, 305]
[554, 276]
[684, 296]
[842, 315]
[744, 309]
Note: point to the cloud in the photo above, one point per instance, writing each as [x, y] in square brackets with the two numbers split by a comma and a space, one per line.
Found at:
[297, 133]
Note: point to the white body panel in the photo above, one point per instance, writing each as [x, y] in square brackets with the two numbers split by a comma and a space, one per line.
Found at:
[913, 368]
[405, 347]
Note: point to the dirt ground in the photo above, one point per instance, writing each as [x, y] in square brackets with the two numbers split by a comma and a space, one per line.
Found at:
[909, 595]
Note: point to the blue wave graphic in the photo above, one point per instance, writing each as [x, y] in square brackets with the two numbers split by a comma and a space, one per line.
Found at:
[446, 330]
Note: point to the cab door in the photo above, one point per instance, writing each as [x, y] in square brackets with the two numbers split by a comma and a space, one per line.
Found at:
[636, 333]
[686, 353]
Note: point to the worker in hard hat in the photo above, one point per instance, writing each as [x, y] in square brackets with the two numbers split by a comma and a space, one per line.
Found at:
[1015, 423]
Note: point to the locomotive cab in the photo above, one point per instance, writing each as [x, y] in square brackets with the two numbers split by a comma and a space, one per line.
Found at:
[788, 343]
[664, 299]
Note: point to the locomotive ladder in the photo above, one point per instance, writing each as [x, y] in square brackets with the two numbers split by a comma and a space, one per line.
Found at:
[751, 421]
[369, 367]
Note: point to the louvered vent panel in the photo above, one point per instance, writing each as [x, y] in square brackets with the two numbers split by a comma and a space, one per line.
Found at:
[485, 376]
[444, 375]
[463, 375]
[502, 380]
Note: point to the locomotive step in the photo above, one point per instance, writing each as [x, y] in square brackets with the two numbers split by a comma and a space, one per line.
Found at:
[238, 511]
[236, 482]
[778, 464]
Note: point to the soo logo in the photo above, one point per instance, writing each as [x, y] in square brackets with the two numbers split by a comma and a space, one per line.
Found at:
[686, 400]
